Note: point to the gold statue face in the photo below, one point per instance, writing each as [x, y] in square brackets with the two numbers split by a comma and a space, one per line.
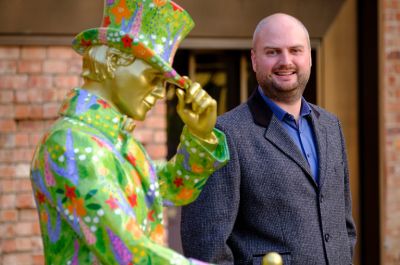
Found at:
[135, 88]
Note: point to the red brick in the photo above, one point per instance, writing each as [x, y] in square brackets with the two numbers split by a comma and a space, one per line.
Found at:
[7, 126]
[31, 126]
[35, 95]
[50, 110]
[33, 53]
[9, 245]
[6, 111]
[36, 242]
[13, 81]
[8, 185]
[9, 215]
[29, 66]
[28, 243]
[157, 151]
[7, 201]
[23, 155]
[25, 201]
[6, 156]
[140, 125]
[160, 137]
[9, 53]
[8, 67]
[6, 96]
[38, 259]
[34, 138]
[21, 96]
[55, 66]
[17, 259]
[62, 92]
[156, 122]
[160, 108]
[393, 55]
[23, 111]
[26, 228]
[75, 66]
[7, 140]
[66, 81]
[37, 111]
[28, 215]
[7, 171]
[24, 184]
[16, 155]
[49, 95]
[22, 139]
[7, 230]
[60, 53]
[40, 81]
[143, 135]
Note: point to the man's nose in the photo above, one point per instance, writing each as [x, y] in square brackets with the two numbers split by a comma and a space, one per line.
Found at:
[285, 58]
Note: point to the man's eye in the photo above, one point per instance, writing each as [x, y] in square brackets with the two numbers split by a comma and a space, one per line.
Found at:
[296, 51]
[271, 52]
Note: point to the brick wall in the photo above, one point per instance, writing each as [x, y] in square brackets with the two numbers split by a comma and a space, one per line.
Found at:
[391, 111]
[33, 81]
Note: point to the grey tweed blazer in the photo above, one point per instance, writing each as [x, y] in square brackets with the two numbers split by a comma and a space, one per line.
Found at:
[265, 199]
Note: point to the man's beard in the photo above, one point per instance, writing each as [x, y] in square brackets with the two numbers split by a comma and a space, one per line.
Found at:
[283, 93]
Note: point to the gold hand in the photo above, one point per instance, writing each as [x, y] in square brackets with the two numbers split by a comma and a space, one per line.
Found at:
[198, 111]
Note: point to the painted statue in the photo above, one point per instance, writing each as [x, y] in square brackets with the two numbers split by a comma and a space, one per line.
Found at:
[99, 196]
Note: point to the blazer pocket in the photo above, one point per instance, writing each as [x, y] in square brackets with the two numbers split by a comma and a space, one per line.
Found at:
[257, 258]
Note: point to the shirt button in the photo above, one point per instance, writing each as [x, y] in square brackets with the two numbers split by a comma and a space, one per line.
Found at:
[321, 198]
[308, 155]
[327, 237]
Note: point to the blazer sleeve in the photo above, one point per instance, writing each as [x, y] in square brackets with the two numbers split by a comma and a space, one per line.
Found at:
[207, 223]
[351, 228]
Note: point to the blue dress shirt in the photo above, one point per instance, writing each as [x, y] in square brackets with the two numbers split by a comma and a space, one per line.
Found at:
[301, 132]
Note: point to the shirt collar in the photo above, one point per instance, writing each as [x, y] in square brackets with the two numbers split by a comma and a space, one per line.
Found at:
[96, 112]
[281, 113]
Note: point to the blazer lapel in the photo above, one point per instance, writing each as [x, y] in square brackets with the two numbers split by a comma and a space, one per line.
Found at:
[322, 145]
[275, 133]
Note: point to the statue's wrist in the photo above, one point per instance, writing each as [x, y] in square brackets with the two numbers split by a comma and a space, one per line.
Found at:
[209, 139]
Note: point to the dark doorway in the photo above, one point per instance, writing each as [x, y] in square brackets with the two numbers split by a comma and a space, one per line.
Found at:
[369, 131]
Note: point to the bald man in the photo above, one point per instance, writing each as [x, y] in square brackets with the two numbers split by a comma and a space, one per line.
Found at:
[286, 188]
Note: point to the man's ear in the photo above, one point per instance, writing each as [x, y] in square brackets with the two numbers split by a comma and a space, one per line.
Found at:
[253, 60]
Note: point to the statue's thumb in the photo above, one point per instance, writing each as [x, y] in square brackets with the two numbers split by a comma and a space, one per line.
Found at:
[180, 94]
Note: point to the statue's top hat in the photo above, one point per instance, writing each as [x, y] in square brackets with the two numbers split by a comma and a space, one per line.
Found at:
[149, 29]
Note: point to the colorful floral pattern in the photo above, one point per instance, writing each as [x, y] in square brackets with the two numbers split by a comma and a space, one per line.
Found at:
[149, 29]
[99, 195]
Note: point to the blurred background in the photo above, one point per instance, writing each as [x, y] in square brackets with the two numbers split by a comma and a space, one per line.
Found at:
[355, 74]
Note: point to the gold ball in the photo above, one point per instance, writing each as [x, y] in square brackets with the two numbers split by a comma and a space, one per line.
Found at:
[272, 258]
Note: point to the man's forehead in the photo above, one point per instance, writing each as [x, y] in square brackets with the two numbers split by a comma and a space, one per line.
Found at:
[282, 39]
[281, 28]
[277, 46]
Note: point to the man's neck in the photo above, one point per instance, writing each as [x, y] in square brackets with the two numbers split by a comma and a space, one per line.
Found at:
[291, 108]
